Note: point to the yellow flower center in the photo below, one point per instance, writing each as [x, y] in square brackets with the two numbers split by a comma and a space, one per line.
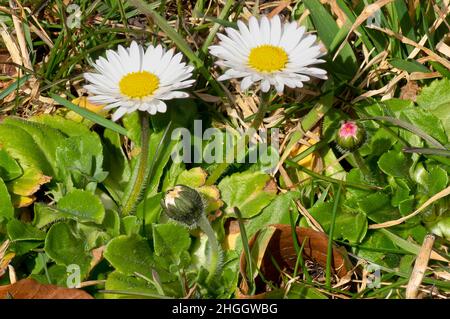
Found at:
[139, 84]
[268, 58]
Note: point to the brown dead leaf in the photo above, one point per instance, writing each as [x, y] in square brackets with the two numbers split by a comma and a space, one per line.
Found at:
[97, 256]
[281, 249]
[6, 69]
[31, 289]
[409, 91]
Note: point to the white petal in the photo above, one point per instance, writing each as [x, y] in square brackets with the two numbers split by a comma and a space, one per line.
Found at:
[231, 73]
[279, 84]
[246, 35]
[101, 99]
[265, 29]
[113, 105]
[133, 108]
[254, 30]
[275, 30]
[164, 62]
[246, 82]
[161, 106]
[106, 68]
[237, 37]
[101, 80]
[119, 113]
[94, 89]
[172, 95]
[265, 85]
[127, 63]
[151, 60]
[135, 56]
[304, 44]
[152, 109]
[291, 36]
[114, 60]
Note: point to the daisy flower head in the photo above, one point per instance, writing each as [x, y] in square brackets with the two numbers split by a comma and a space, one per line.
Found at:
[269, 52]
[131, 79]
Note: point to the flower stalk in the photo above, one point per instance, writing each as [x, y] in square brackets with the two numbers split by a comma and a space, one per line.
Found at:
[215, 256]
[262, 109]
[139, 177]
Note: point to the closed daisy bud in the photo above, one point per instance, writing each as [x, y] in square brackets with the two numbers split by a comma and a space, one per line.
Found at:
[183, 204]
[350, 136]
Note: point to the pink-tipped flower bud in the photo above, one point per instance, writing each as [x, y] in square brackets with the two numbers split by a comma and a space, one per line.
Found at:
[350, 136]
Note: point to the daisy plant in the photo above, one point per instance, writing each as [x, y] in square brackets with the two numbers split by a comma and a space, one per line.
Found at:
[269, 53]
[137, 79]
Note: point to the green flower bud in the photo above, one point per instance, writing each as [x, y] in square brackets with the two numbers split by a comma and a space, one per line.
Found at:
[350, 136]
[183, 204]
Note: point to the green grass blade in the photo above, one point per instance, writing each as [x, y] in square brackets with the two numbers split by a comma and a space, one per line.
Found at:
[212, 33]
[330, 238]
[89, 115]
[330, 179]
[248, 256]
[17, 84]
[179, 41]
[409, 127]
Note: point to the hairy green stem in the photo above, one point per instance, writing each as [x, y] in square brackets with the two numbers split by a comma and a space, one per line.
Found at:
[262, 109]
[330, 238]
[139, 178]
[215, 262]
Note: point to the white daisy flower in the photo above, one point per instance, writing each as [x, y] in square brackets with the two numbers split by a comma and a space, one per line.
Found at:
[268, 52]
[136, 79]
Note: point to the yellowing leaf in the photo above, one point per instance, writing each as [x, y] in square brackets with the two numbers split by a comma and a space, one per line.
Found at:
[308, 161]
[211, 195]
[83, 102]
[22, 201]
[29, 183]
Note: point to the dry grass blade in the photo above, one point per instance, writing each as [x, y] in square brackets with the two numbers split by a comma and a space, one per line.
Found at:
[21, 37]
[315, 224]
[366, 13]
[10, 45]
[443, 48]
[283, 5]
[431, 200]
[420, 267]
[3, 247]
[408, 41]
[336, 9]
